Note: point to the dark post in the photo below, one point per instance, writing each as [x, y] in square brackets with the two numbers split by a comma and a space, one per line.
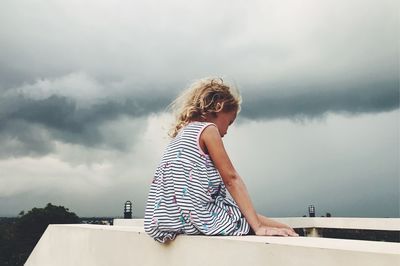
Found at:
[128, 210]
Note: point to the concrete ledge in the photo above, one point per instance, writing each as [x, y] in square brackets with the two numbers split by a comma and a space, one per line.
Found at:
[129, 222]
[128, 245]
[385, 224]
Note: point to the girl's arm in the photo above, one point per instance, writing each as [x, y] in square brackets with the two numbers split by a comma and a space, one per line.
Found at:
[212, 141]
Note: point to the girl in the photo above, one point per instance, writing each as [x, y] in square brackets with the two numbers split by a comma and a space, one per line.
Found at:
[188, 192]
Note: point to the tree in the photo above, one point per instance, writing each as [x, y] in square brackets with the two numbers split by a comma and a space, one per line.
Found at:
[30, 227]
[7, 241]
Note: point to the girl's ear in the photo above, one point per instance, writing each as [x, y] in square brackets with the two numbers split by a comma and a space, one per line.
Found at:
[219, 107]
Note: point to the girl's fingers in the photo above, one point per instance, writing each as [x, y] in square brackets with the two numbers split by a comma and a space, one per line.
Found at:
[291, 232]
[282, 232]
[273, 231]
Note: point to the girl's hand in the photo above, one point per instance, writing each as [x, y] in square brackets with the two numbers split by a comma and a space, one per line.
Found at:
[292, 230]
[274, 231]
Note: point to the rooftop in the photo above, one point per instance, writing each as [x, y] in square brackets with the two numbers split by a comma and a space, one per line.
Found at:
[125, 243]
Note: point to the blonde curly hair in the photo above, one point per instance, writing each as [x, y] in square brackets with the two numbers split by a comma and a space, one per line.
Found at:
[203, 97]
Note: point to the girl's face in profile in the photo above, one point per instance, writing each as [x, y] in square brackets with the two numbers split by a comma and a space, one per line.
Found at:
[223, 120]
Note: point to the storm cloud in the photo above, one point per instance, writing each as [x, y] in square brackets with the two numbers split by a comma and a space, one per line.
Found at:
[316, 102]
[68, 66]
[78, 119]
[33, 123]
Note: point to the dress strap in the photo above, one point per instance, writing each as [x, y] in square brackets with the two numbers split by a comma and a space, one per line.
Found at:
[205, 124]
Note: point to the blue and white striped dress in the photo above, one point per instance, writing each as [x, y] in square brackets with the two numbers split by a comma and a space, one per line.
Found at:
[187, 194]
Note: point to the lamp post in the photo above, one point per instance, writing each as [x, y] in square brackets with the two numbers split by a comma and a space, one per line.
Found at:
[128, 210]
[311, 210]
[313, 232]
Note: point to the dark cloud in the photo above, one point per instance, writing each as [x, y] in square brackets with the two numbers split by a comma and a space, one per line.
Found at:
[20, 138]
[55, 59]
[34, 123]
[311, 103]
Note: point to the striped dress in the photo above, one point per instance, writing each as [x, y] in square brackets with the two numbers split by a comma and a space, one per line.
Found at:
[187, 194]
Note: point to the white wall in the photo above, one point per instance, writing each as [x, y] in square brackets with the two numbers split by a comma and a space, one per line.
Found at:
[99, 245]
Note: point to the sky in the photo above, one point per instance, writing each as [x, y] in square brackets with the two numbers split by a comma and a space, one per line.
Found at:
[85, 85]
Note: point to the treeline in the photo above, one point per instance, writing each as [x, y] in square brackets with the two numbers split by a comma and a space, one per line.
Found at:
[18, 236]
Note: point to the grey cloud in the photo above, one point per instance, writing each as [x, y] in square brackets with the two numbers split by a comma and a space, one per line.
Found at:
[280, 40]
[34, 123]
[65, 121]
[311, 103]
[9, 77]
[147, 52]
[19, 138]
